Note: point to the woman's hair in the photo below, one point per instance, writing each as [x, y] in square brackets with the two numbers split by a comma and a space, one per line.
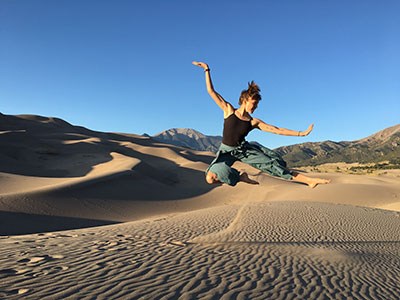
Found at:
[253, 92]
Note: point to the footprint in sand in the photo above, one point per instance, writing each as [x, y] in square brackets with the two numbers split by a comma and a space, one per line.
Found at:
[22, 271]
[39, 259]
[174, 243]
[7, 272]
[53, 270]
[21, 291]
[108, 246]
[215, 251]
[32, 260]
[14, 292]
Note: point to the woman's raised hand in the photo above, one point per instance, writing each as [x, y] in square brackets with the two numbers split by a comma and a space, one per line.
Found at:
[201, 64]
[307, 131]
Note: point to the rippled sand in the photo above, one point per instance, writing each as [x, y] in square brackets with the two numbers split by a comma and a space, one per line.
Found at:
[279, 250]
[88, 215]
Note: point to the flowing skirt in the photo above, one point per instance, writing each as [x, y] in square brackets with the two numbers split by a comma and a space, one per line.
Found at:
[257, 156]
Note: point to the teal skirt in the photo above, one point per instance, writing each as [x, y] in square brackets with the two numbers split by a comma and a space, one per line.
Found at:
[255, 155]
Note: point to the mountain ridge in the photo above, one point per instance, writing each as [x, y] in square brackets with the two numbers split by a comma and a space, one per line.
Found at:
[383, 145]
[380, 146]
[189, 138]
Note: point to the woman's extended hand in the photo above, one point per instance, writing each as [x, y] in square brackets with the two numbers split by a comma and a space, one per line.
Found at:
[307, 131]
[201, 64]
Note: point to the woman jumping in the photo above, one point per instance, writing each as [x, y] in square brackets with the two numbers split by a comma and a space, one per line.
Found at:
[237, 124]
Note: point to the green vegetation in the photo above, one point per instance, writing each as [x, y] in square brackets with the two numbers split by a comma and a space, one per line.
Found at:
[374, 150]
[376, 167]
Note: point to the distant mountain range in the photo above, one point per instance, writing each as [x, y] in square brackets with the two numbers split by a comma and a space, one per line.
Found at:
[189, 138]
[16, 131]
[381, 146]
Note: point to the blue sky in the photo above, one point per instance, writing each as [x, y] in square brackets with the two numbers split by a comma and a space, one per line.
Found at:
[125, 66]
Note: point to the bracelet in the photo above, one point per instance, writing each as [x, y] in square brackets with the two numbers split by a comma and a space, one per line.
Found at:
[206, 70]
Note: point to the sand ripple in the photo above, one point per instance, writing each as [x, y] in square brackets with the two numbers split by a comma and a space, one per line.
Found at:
[280, 250]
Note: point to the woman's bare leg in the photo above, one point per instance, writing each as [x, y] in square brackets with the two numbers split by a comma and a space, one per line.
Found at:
[213, 178]
[311, 182]
[245, 178]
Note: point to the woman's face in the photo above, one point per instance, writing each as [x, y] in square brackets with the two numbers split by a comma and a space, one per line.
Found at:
[251, 105]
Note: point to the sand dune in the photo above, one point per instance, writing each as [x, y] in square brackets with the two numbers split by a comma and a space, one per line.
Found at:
[166, 234]
[276, 250]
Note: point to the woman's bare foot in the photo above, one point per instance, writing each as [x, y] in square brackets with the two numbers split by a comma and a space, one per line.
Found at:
[311, 182]
[245, 178]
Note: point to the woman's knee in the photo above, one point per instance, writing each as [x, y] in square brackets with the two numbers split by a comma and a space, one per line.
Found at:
[222, 173]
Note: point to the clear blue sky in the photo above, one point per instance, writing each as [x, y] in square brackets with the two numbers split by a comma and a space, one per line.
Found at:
[125, 66]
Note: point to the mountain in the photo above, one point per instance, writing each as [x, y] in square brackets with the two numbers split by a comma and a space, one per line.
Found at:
[189, 138]
[381, 146]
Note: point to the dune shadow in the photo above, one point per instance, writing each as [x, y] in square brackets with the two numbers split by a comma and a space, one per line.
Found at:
[153, 179]
[32, 148]
[49, 147]
[13, 223]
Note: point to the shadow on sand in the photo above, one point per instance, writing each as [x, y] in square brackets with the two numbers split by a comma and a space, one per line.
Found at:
[50, 147]
[13, 223]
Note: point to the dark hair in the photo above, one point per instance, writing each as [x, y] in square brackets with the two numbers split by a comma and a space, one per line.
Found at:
[253, 92]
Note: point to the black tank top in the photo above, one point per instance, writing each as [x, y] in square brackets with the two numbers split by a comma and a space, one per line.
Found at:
[235, 130]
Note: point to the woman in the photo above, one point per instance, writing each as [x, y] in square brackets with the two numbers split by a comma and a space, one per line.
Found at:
[237, 124]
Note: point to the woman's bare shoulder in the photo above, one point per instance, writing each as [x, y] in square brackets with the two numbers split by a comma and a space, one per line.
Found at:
[255, 122]
[229, 111]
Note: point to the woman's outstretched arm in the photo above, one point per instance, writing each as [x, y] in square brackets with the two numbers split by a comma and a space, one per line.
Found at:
[277, 130]
[221, 102]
